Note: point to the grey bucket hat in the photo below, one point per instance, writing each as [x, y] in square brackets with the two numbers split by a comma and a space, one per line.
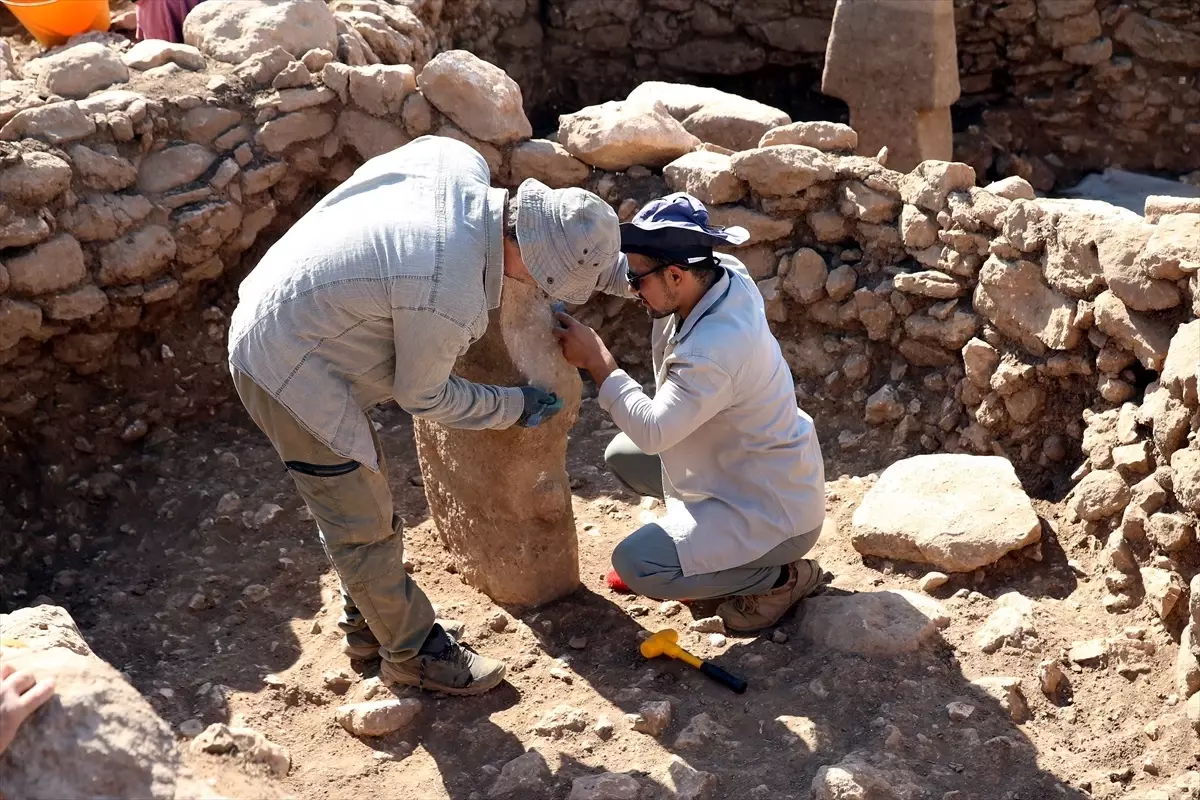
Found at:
[568, 238]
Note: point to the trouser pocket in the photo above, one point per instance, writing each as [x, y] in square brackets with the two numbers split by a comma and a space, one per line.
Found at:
[322, 470]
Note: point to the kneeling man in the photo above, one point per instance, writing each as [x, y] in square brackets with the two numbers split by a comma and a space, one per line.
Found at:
[722, 441]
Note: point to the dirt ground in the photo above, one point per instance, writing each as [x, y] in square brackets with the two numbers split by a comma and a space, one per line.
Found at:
[160, 590]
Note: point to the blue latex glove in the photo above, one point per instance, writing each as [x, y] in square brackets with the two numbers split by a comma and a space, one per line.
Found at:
[539, 406]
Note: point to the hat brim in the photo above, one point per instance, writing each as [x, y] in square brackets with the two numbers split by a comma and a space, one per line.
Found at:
[543, 248]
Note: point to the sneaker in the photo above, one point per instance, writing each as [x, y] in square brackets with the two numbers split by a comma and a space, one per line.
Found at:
[446, 666]
[750, 612]
[365, 647]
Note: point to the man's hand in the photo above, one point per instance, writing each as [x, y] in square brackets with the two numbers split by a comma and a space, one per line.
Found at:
[582, 348]
[21, 693]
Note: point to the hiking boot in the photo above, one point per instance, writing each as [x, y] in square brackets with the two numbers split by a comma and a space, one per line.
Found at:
[363, 646]
[444, 665]
[750, 612]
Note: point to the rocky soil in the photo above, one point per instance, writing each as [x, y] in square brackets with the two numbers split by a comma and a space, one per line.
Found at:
[199, 578]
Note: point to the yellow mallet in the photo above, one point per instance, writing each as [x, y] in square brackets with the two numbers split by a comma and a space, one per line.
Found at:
[664, 643]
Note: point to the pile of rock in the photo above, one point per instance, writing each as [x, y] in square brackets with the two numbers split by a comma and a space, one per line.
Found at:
[97, 737]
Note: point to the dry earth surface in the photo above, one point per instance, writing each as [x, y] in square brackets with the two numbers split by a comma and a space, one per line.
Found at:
[217, 617]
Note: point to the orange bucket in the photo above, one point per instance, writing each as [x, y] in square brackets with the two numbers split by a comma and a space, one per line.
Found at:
[52, 22]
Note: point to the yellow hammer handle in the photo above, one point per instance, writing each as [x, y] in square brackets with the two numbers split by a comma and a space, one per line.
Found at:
[675, 651]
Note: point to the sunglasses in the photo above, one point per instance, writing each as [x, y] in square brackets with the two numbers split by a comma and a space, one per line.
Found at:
[635, 281]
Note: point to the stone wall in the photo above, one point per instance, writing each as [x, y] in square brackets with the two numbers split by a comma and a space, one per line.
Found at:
[1051, 87]
[918, 312]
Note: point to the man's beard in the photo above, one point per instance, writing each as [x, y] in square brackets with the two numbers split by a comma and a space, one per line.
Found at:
[656, 314]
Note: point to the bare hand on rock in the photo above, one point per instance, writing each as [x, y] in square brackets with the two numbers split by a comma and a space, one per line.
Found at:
[21, 693]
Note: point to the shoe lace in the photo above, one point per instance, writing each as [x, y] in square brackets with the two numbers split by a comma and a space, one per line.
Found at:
[455, 651]
[745, 603]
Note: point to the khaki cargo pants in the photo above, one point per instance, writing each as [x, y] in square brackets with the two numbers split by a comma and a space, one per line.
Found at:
[359, 531]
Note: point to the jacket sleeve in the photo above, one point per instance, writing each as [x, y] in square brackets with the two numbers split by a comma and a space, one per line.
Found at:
[695, 390]
[424, 387]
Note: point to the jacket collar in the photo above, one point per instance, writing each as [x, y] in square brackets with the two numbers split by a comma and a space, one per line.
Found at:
[493, 264]
[708, 303]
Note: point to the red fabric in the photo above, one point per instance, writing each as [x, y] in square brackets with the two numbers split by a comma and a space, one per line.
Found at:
[616, 584]
[163, 19]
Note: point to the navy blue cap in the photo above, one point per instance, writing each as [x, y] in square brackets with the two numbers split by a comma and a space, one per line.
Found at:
[676, 228]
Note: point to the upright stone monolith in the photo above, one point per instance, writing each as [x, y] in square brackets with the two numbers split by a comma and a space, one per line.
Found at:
[895, 63]
[502, 499]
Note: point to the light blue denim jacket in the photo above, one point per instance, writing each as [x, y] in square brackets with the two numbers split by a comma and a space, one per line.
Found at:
[375, 293]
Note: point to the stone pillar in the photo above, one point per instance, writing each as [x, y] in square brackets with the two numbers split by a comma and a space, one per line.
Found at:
[501, 499]
[895, 63]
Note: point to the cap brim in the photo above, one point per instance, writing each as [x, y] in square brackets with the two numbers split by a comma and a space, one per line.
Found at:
[542, 248]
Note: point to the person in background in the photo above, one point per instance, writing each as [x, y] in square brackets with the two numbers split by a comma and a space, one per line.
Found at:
[722, 440]
[163, 19]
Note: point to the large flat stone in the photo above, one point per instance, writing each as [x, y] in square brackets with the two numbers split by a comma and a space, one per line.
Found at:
[872, 623]
[1014, 296]
[78, 71]
[479, 97]
[956, 512]
[618, 135]
[234, 30]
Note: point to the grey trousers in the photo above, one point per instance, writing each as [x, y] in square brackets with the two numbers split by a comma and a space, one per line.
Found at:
[359, 531]
[647, 559]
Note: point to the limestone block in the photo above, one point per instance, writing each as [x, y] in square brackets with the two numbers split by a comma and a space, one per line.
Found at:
[953, 332]
[1173, 251]
[804, 276]
[294, 76]
[417, 114]
[866, 775]
[548, 162]
[21, 231]
[75, 72]
[479, 97]
[762, 228]
[832, 137]
[681, 100]
[1185, 464]
[262, 178]
[1180, 367]
[103, 217]
[1071, 31]
[279, 134]
[379, 717]
[1013, 296]
[956, 512]
[137, 256]
[76, 303]
[151, 53]
[367, 135]
[96, 738]
[1118, 246]
[235, 30]
[524, 776]
[1012, 188]
[829, 227]
[49, 267]
[928, 283]
[707, 176]
[929, 185]
[1159, 41]
[56, 123]
[388, 45]
[885, 623]
[17, 320]
[1160, 206]
[783, 169]
[106, 173]
[173, 167]
[734, 124]
[289, 100]
[508, 524]
[1101, 494]
[1147, 337]
[261, 69]
[200, 229]
[35, 180]
[618, 135]
[381, 89]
